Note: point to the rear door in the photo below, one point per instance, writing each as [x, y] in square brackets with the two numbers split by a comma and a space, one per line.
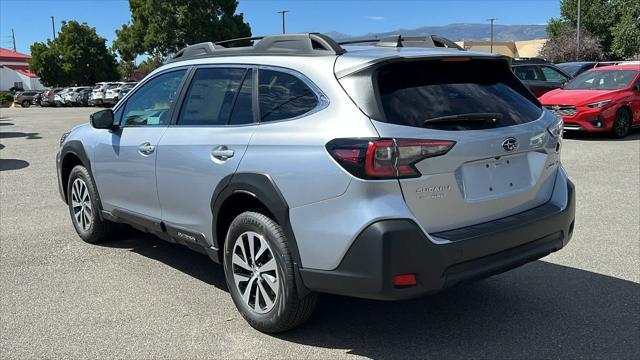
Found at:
[207, 142]
[504, 159]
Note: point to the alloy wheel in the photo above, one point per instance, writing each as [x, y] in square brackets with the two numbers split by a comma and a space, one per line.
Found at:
[81, 204]
[622, 123]
[255, 272]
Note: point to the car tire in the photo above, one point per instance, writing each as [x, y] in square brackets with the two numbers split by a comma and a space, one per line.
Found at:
[84, 207]
[266, 296]
[26, 104]
[622, 124]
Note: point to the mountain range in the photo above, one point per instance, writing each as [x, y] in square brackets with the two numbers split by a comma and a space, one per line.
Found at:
[459, 32]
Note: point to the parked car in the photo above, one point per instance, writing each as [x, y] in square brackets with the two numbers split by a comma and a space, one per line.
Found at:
[82, 97]
[576, 68]
[71, 94]
[48, 97]
[605, 99]
[26, 98]
[113, 94]
[60, 96]
[630, 62]
[540, 77]
[125, 89]
[99, 91]
[444, 171]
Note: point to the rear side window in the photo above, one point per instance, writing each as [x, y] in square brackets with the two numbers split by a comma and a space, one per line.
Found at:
[433, 94]
[283, 96]
[528, 72]
[211, 95]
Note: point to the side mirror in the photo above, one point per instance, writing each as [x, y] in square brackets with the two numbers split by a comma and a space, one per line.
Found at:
[637, 87]
[102, 119]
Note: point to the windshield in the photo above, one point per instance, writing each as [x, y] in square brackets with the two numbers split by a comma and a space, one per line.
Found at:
[602, 80]
[570, 69]
[412, 93]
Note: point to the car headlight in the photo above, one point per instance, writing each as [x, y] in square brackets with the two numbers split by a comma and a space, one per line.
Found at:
[599, 104]
[63, 138]
[556, 129]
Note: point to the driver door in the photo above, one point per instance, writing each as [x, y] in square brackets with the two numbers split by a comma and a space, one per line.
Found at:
[125, 159]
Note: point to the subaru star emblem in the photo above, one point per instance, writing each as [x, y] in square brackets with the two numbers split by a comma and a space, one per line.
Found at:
[510, 144]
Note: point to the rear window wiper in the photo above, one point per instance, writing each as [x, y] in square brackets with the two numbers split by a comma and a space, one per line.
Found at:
[464, 121]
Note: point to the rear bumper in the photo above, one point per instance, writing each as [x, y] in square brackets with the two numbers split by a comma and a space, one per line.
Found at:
[393, 247]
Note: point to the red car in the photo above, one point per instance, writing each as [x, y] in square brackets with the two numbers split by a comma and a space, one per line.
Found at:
[605, 99]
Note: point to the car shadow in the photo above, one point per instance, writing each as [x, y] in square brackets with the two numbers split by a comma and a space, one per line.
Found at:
[179, 257]
[17, 134]
[586, 136]
[6, 124]
[12, 164]
[540, 310]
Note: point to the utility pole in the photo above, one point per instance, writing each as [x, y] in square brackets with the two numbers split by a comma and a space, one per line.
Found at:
[283, 12]
[13, 35]
[578, 35]
[53, 27]
[492, 20]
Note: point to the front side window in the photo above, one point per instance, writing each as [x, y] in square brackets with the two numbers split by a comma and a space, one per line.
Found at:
[283, 96]
[211, 96]
[553, 75]
[151, 103]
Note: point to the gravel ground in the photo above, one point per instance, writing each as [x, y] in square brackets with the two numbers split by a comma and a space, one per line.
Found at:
[138, 297]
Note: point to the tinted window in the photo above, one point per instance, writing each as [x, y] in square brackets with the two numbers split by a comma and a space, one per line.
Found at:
[553, 75]
[210, 96]
[243, 108]
[412, 92]
[150, 104]
[283, 96]
[527, 73]
[602, 80]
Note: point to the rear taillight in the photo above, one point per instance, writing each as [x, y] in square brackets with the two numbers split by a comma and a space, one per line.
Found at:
[49, 93]
[385, 158]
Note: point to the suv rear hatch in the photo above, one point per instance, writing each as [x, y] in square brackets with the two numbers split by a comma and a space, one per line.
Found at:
[504, 153]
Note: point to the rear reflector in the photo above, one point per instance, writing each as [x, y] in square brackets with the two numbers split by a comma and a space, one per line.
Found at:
[404, 280]
[385, 158]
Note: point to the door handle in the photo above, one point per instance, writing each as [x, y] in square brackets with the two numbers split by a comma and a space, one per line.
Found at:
[146, 148]
[222, 153]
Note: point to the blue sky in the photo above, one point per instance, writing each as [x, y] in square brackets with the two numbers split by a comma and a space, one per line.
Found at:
[31, 20]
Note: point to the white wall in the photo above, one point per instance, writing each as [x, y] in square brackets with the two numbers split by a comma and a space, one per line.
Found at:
[9, 76]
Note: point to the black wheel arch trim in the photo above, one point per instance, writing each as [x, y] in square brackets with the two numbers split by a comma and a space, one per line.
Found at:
[264, 189]
[75, 147]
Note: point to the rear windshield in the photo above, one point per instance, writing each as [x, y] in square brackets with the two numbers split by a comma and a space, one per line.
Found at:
[602, 80]
[454, 95]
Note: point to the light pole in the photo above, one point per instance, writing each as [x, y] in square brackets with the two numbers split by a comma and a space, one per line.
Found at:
[283, 12]
[53, 27]
[578, 35]
[491, 20]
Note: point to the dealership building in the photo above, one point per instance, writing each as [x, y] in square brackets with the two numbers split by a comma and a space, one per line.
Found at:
[15, 73]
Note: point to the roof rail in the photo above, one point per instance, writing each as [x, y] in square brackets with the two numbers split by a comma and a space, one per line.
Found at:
[425, 41]
[306, 44]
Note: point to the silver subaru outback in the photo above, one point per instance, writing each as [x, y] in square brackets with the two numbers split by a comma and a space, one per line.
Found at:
[383, 169]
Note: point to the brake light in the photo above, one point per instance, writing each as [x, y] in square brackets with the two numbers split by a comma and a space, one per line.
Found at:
[404, 280]
[385, 158]
[49, 93]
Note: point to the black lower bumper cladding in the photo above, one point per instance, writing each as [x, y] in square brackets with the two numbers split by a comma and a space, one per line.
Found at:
[393, 247]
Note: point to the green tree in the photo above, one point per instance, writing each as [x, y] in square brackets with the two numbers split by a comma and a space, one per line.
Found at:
[162, 27]
[615, 22]
[77, 56]
[626, 32]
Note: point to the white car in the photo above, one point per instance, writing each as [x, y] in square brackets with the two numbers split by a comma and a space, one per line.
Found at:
[112, 95]
[99, 91]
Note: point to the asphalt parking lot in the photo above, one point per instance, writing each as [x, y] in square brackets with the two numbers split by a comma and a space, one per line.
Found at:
[139, 297]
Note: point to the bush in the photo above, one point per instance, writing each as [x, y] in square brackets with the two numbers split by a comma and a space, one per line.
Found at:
[6, 98]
